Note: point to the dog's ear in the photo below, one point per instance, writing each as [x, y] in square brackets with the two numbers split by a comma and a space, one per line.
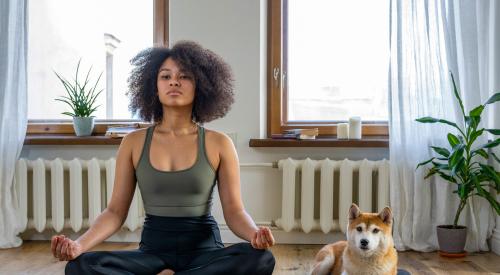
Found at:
[354, 212]
[386, 215]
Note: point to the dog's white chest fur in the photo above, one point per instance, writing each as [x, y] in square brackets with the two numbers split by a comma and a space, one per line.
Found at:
[364, 267]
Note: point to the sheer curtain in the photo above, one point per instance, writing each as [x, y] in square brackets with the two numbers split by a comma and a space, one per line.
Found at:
[425, 36]
[473, 43]
[13, 113]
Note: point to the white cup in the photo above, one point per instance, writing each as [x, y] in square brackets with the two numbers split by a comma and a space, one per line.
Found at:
[355, 127]
[342, 131]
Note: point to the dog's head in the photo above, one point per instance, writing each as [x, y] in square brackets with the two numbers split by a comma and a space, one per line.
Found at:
[369, 233]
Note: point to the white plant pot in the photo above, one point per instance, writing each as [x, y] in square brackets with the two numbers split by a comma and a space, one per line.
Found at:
[83, 125]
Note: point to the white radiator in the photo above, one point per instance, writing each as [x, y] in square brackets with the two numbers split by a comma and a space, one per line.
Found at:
[57, 219]
[346, 169]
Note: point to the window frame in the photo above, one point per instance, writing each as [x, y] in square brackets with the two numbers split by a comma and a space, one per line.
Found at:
[277, 82]
[65, 126]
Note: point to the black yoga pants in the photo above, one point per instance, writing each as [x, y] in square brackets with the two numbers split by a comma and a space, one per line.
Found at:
[187, 245]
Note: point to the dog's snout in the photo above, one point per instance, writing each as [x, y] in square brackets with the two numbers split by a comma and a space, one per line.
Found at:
[364, 242]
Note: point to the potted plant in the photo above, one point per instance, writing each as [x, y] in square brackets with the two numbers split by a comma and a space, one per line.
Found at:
[461, 165]
[81, 98]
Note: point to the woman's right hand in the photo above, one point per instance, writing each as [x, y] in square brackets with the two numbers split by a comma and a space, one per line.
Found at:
[65, 249]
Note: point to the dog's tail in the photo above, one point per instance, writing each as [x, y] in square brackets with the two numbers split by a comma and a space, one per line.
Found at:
[324, 262]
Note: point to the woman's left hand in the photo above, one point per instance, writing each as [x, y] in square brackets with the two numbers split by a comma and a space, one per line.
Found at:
[262, 238]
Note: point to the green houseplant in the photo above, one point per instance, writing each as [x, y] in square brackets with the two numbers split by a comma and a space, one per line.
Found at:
[461, 166]
[81, 97]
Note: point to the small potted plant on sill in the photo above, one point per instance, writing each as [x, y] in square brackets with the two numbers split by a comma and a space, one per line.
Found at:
[461, 166]
[81, 98]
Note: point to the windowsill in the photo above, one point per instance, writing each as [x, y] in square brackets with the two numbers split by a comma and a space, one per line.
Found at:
[323, 141]
[69, 139]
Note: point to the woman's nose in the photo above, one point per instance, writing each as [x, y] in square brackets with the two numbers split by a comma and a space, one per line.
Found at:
[174, 82]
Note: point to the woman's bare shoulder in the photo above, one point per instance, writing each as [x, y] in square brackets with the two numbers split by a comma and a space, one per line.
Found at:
[135, 138]
[218, 138]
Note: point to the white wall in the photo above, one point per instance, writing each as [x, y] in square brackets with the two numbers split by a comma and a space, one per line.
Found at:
[236, 31]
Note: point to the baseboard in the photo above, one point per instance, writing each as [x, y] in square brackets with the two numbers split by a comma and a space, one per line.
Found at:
[281, 237]
[495, 241]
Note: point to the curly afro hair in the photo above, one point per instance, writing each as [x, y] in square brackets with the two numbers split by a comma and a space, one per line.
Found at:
[214, 81]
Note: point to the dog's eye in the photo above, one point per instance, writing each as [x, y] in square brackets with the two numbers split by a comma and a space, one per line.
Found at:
[359, 228]
[375, 230]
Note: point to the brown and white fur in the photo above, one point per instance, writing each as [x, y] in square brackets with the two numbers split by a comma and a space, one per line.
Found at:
[369, 248]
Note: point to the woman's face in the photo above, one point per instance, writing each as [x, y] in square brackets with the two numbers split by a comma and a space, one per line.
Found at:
[175, 86]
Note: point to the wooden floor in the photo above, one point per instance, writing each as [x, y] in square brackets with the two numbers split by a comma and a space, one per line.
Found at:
[34, 257]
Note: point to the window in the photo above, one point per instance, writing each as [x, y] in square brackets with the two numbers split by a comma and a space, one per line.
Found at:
[328, 61]
[105, 35]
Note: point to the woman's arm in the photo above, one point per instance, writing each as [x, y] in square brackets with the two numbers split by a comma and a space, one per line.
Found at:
[235, 215]
[113, 217]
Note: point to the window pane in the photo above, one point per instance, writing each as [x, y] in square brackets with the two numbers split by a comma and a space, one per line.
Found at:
[338, 54]
[104, 34]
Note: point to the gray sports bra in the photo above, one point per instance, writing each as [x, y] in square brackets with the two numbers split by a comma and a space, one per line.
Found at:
[182, 193]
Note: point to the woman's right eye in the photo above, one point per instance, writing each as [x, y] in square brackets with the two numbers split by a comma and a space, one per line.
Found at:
[165, 77]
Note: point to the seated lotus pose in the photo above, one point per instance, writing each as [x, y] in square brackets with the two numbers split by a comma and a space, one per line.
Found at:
[177, 163]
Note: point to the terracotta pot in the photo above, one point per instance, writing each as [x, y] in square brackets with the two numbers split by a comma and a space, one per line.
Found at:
[451, 239]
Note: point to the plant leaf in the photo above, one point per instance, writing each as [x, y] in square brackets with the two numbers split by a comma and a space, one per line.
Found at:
[457, 166]
[456, 155]
[447, 177]
[441, 166]
[424, 162]
[65, 101]
[493, 131]
[457, 94]
[492, 174]
[475, 135]
[432, 171]
[453, 140]
[481, 152]
[68, 113]
[474, 120]
[485, 194]
[81, 98]
[429, 119]
[491, 144]
[442, 151]
[493, 98]
[495, 156]
[476, 111]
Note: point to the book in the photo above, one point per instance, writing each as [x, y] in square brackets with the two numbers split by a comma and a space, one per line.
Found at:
[306, 137]
[292, 136]
[284, 136]
[309, 132]
[120, 131]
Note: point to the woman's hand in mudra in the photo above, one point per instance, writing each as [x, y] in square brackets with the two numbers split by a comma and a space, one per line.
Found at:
[64, 248]
[262, 238]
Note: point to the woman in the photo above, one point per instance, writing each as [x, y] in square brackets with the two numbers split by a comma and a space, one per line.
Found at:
[176, 163]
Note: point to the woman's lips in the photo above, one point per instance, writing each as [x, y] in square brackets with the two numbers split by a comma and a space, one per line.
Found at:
[174, 93]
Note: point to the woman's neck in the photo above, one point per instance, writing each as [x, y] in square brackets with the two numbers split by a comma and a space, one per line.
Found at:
[176, 124]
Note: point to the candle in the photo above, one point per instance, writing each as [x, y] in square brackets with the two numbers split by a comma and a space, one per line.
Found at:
[355, 127]
[342, 131]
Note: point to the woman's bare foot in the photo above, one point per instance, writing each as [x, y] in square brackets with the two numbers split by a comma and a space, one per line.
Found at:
[166, 272]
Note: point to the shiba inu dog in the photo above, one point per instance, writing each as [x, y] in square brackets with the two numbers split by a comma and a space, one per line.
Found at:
[369, 248]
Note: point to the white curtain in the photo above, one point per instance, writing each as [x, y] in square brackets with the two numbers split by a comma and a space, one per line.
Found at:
[13, 111]
[429, 39]
[473, 40]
